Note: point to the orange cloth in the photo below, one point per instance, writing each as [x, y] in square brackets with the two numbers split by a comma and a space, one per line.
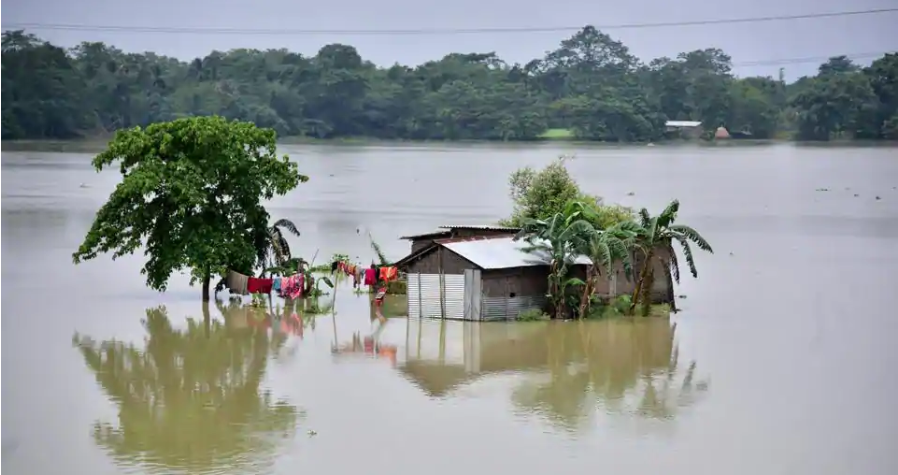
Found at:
[388, 274]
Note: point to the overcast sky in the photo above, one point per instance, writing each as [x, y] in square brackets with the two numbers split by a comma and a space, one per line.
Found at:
[746, 43]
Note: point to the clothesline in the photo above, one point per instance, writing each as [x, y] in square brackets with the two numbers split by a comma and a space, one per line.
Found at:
[292, 287]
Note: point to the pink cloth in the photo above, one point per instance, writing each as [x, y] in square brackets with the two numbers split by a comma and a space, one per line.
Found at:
[370, 277]
[291, 287]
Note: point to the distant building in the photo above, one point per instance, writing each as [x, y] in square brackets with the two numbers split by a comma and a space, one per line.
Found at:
[684, 128]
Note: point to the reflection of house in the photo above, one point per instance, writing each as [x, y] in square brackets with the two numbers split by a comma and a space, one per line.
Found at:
[488, 277]
[441, 355]
[614, 357]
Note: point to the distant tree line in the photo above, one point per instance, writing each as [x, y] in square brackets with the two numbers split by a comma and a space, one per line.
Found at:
[590, 85]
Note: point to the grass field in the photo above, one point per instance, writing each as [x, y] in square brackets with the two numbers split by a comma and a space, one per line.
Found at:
[557, 134]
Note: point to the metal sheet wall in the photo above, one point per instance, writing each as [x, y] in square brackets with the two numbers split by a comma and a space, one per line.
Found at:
[504, 308]
[454, 296]
[424, 299]
[473, 294]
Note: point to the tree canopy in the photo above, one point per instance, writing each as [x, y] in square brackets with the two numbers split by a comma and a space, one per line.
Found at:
[590, 85]
[191, 196]
[543, 194]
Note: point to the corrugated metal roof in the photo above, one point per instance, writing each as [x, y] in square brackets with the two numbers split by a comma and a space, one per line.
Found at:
[485, 227]
[682, 123]
[501, 253]
[426, 235]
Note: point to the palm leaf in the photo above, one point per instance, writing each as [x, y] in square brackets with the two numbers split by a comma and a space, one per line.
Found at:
[288, 225]
[692, 235]
[673, 263]
[652, 231]
[645, 218]
[620, 250]
[687, 253]
[600, 253]
[275, 242]
[669, 215]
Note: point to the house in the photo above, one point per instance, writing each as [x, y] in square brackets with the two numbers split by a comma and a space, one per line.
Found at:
[684, 128]
[491, 277]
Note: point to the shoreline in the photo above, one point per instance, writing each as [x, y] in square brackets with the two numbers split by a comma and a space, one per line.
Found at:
[96, 144]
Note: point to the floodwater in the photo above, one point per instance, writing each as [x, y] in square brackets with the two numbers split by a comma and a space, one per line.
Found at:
[781, 362]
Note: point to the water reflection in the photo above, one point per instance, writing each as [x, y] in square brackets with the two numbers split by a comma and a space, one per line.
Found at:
[189, 400]
[565, 371]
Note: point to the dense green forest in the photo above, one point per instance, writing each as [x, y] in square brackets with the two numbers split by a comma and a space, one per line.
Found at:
[590, 85]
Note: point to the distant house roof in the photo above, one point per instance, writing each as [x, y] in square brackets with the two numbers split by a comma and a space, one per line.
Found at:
[683, 123]
[501, 253]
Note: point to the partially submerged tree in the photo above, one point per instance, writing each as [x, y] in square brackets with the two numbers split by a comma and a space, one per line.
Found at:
[559, 240]
[191, 195]
[661, 232]
[570, 234]
[605, 248]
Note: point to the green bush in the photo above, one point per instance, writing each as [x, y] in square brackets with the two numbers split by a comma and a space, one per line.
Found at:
[532, 315]
[540, 194]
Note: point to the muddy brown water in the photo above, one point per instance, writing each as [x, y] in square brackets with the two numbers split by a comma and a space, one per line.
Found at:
[781, 362]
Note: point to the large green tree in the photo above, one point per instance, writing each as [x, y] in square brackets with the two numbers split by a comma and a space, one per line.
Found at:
[191, 197]
[591, 85]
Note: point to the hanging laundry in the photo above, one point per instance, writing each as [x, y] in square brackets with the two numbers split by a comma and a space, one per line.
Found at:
[389, 273]
[255, 285]
[276, 285]
[291, 287]
[354, 273]
[359, 276]
[335, 266]
[297, 290]
[236, 282]
[370, 276]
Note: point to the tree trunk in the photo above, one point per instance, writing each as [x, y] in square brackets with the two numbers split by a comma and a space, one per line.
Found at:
[206, 279]
[587, 292]
[637, 292]
[646, 300]
[207, 319]
[554, 289]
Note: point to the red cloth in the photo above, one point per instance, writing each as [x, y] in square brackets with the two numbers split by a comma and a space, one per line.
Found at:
[388, 274]
[259, 286]
[370, 278]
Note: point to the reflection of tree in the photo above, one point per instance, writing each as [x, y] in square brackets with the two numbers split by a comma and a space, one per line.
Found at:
[190, 401]
[626, 366]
